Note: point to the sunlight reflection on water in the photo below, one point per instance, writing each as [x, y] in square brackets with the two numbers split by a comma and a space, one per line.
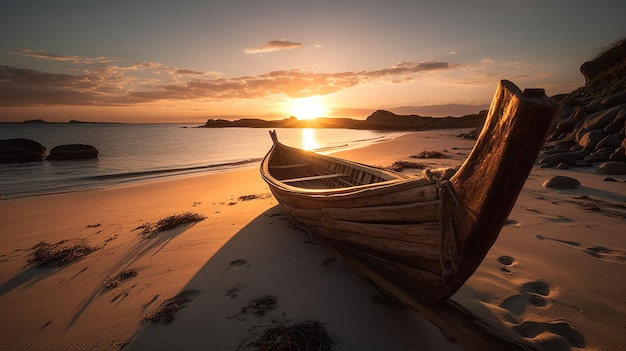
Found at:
[309, 142]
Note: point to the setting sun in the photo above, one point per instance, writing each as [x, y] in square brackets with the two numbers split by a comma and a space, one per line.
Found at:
[308, 108]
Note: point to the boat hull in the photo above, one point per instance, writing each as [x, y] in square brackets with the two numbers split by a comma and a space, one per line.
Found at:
[417, 238]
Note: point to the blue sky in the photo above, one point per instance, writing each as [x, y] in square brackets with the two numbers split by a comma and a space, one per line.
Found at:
[186, 61]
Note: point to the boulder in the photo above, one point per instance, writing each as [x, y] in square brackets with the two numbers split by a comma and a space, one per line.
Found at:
[618, 122]
[590, 70]
[612, 167]
[561, 182]
[73, 152]
[618, 155]
[591, 139]
[21, 150]
[566, 125]
[601, 119]
[612, 140]
[555, 159]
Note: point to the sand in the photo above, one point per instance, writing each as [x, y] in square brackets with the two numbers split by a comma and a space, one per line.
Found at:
[555, 276]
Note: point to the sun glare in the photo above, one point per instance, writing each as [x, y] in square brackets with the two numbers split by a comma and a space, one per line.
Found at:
[307, 108]
[309, 141]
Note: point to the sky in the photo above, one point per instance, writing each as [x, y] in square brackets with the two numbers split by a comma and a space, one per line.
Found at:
[186, 61]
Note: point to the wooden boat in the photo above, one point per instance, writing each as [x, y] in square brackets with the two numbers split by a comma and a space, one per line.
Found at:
[417, 238]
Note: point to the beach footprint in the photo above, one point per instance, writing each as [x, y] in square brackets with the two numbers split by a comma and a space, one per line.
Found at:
[531, 294]
[556, 336]
[507, 263]
[238, 263]
[600, 252]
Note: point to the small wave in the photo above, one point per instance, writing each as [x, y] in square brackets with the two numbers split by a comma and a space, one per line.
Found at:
[156, 173]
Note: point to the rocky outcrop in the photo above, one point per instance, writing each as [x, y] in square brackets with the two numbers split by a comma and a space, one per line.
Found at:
[382, 119]
[591, 126]
[21, 151]
[73, 152]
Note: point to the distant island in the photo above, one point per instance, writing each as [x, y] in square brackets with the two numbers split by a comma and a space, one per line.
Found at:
[379, 120]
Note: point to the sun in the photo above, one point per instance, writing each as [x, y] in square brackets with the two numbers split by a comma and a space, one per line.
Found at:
[307, 108]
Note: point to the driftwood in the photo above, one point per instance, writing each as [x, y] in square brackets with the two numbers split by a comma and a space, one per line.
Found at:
[419, 239]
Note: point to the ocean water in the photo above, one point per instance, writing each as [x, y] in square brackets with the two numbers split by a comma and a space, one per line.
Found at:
[138, 152]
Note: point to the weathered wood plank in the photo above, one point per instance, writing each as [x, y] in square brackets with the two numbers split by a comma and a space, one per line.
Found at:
[318, 177]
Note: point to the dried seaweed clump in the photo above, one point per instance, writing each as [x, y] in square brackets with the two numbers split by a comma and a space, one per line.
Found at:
[261, 305]
[309, 335]
[400, 165]
[170, 222]
[59, 254]
[168, 309]
[174, 221]
[429, 154]
[254, 197]
[120, 278]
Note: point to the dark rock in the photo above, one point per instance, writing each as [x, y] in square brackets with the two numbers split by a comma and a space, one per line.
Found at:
[612, 140]
[591, 139]
[21, 150]
[563, 166]
[602, 119]
[609, 179]
[579, 131]
[612, 167]
[555, 150]
[618, 122]
[618, 98]
[576, 147]
[561, 182]
[555, 159]
[73, 152]
[583, 164]
[579, 113]
[566, 125]
[604, 152]
[618, 155]
[590, 70]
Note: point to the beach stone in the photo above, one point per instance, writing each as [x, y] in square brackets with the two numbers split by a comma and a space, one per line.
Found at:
[618, 122]
[612, 167]
[579, 131]
[601, 119]
[20, 150]
[604, 152]
[555, 159]
[561, 182]
[618, 155]
[566, 125]
[563, 165]
[73, 152]
[617, 98]
[612, 140]
[591, 139]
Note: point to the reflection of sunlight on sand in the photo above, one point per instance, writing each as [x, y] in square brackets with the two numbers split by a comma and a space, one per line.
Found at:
[309, 141]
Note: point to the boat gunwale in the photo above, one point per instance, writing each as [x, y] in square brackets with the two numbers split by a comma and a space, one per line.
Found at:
[402, 179]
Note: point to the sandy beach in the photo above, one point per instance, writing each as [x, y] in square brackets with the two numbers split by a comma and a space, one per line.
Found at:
[555, 276]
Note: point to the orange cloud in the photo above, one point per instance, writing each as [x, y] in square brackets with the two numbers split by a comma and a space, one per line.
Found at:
[114, 85]
[274, 45]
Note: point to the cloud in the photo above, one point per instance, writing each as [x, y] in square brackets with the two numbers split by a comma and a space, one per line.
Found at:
[274, 45]
[146, 82]
[42, 54]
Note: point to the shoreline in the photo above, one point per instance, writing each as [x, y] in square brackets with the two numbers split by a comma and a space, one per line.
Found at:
[247, 248]
[87, 174]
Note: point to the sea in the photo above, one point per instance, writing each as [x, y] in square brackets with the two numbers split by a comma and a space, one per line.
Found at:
[140, 152]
